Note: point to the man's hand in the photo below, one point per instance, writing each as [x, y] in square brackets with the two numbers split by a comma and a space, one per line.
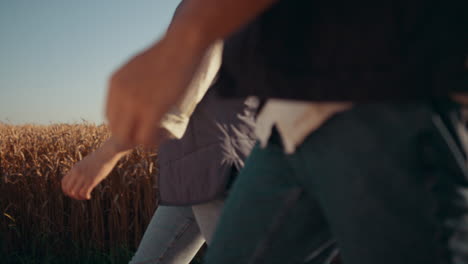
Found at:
[144, 89]
[89, 172]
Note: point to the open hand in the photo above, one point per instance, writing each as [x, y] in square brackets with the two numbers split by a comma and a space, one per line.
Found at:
[89, 172]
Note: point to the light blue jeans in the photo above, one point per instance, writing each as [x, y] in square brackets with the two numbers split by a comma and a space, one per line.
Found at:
[175, 234]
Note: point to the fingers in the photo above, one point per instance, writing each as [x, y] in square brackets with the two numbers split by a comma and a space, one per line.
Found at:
[144, 88]
[76, 186]
[84, 191]
[88, 189]
[68, 182]
[81, 191]
[137, 124]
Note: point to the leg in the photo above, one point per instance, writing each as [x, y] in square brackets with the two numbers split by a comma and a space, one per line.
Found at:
[266, 214]
[172, 236]
[387, 183]
[207, 216]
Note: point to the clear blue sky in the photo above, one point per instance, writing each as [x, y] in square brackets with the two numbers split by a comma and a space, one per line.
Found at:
[56, 55]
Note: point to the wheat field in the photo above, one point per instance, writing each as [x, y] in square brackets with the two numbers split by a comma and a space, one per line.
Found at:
[37, 219]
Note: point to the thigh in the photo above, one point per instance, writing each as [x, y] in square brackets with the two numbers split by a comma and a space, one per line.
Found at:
[268, 218]
[207, 216]
[172, 236]
[377, 172]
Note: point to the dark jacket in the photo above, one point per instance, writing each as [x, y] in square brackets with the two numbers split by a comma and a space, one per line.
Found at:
[358, 50]
[198, 167]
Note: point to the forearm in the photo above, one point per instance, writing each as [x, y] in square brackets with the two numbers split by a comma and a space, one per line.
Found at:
[176, 120]
[205, 21]
[156, 79]
[113, 151]
[196, 26]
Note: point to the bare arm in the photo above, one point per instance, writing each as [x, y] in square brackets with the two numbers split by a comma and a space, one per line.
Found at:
[208, 20]
[85, 175]
[145, 88]
[90, 171]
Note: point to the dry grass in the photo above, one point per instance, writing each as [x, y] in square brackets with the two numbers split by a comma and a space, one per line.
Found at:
[33, 159]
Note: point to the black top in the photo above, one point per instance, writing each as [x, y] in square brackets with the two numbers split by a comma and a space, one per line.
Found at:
[359, 50]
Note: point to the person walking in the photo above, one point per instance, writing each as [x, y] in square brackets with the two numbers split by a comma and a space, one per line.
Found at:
[369, 144]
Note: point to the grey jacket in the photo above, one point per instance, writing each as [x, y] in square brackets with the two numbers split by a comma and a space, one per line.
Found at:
[198, 167]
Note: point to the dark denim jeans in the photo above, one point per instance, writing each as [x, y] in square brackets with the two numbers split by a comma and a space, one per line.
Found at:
[388, 182]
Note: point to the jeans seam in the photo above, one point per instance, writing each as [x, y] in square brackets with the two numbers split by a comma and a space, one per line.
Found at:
[288, 202]
[446, 231]
[334, 257]
[320, 250]
[171, 245]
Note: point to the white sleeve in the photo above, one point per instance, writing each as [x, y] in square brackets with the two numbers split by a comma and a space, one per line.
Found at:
[177, 119]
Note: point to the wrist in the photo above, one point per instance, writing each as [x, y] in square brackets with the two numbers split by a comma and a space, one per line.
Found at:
[191, 33]
[113, 148]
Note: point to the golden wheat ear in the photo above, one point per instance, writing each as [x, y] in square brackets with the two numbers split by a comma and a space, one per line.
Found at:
[35, 214]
